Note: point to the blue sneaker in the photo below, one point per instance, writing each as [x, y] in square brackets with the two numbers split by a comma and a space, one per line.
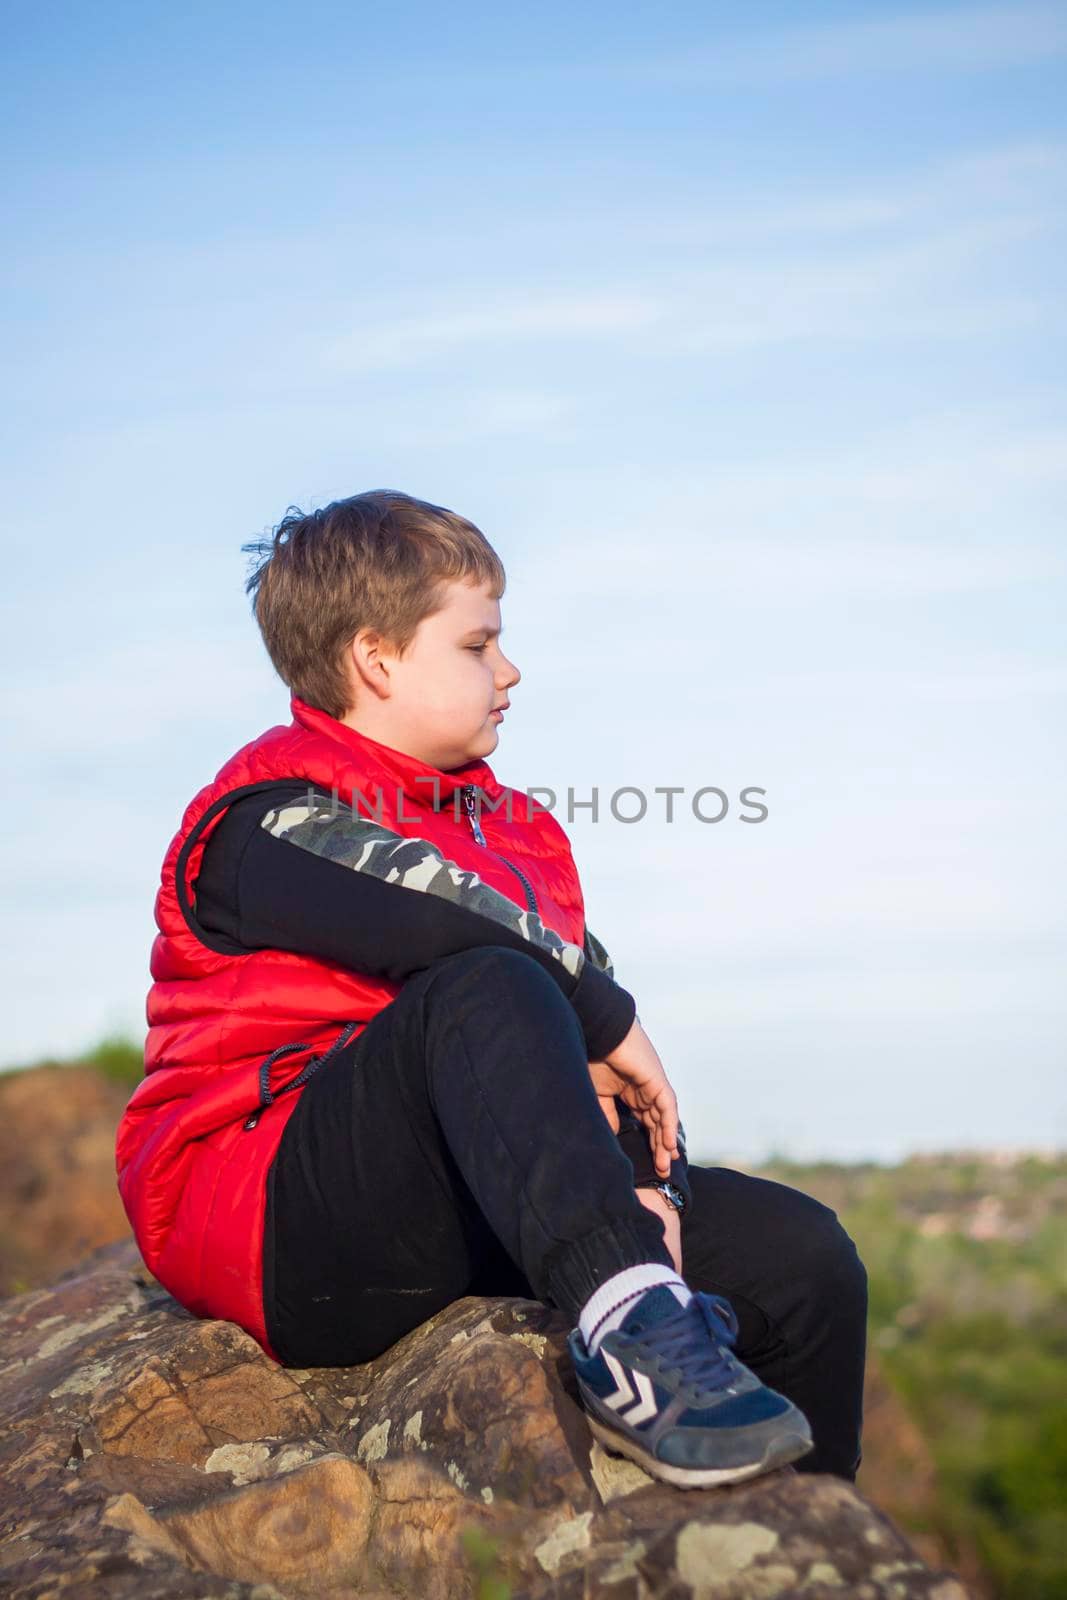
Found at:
[665, 1390]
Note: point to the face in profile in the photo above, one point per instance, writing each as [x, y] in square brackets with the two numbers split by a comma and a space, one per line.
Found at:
[438, 700]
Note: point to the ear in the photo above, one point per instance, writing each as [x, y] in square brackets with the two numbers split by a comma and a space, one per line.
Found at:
[369, 658]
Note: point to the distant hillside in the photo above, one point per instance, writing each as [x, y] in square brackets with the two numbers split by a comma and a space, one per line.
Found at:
[967, 1259]
[58, 1196]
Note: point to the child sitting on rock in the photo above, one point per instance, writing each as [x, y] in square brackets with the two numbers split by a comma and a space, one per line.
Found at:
[388, 1065]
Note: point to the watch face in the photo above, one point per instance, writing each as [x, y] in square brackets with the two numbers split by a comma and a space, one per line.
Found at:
[670, 1192]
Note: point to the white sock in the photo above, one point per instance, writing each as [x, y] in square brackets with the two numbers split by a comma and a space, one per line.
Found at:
[615, 1299]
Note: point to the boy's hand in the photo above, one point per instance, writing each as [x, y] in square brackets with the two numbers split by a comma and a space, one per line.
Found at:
[634, 1072]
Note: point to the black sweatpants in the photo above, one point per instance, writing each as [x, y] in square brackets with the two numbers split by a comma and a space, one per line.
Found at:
[457, 1146]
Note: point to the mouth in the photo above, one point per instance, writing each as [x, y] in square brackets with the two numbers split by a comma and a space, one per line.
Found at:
[498, 711]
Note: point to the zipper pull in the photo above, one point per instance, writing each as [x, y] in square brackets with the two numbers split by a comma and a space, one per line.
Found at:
[472, 816]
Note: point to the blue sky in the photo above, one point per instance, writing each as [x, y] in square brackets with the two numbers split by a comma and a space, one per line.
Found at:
[739, 331]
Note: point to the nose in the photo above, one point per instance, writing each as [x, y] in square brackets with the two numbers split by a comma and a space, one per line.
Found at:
[509, 674]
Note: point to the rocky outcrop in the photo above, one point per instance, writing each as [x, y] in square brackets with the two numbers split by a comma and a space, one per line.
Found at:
[147, 1453]
[59, 1200]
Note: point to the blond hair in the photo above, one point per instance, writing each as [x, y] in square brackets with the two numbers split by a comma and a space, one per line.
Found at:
[377, 560]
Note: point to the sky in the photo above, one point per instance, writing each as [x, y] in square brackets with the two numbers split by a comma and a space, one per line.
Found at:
[739, 331]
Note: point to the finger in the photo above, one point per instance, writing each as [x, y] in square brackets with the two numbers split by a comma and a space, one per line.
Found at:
[669, 1125]
[667, 1145]
[660, 1159]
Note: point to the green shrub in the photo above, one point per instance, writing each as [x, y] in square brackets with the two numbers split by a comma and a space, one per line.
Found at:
[117, 1058]
[969, 1318]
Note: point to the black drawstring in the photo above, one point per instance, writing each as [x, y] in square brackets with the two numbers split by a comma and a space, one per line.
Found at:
[312, 1065]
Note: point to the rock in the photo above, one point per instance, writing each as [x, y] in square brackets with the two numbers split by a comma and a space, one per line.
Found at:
[58, 1199]
[147, 1453]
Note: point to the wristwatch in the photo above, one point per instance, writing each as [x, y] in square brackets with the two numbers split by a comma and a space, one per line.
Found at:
[671, 1191]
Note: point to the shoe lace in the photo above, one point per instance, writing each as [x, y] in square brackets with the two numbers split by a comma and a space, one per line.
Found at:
[702, 1365]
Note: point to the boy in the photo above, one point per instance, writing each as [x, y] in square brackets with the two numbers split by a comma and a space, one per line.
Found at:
[388, 1065]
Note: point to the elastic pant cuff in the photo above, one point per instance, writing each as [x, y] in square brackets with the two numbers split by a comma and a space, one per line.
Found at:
[573, 1271]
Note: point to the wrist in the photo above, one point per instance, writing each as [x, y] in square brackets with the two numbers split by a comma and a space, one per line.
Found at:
[673, 1197]
[671, 1219]
[654, 1200]
[635, 1141]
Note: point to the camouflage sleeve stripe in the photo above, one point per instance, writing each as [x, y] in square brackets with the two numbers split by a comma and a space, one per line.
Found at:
[597, 954]
[314, 823]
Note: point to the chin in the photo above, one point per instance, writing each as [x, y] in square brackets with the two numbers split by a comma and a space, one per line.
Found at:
[481, 745]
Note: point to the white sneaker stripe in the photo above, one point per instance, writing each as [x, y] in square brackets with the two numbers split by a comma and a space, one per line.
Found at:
[647, 1407]
[623, 1393]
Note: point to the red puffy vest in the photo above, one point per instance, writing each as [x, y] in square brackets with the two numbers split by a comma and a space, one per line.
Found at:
[199, 1132]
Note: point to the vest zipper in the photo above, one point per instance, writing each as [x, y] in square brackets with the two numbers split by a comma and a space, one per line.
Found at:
[476, 829]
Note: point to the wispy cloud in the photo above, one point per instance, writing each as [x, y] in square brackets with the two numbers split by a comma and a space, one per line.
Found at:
[811, 567]
[956, 39]
[405, 340]
[882, 290]
[979, 681]
[1025, 177]
[917, 510]
[915, 288]
[906, 266]
[940, 466]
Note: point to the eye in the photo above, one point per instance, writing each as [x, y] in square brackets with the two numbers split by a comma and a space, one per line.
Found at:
[478, 646]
